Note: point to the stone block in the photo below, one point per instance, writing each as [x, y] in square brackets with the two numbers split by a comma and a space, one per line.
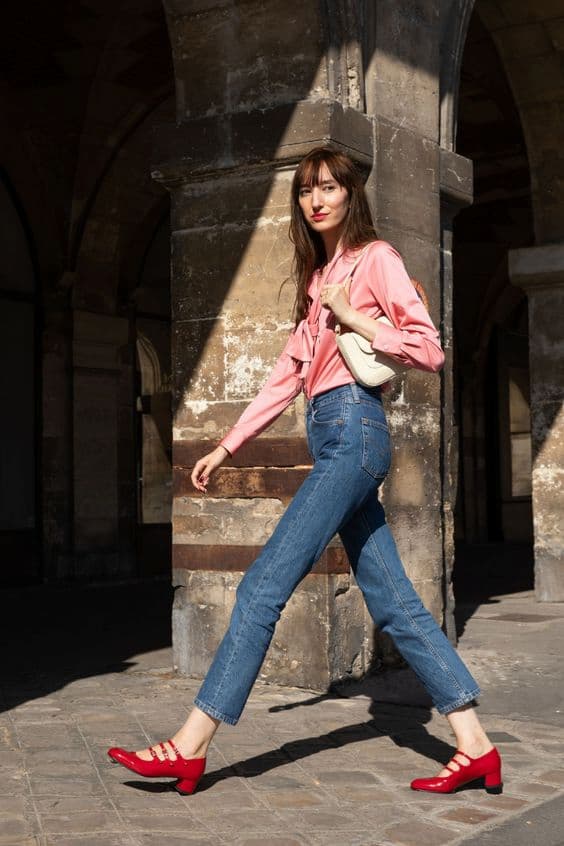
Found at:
[421, 388]
[226, 286]
[417, 833]
[240, 521]
[242, 58]
[418, 535]
[196, 417]
[407, 180]
[412, 480]
[303, 653]
[549, 570]
[402, 75]
[197, 360]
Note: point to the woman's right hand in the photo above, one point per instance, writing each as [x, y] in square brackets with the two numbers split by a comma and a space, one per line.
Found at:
[206, 466]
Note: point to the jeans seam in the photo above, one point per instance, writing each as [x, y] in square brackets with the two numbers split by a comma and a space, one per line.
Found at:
[406, 610]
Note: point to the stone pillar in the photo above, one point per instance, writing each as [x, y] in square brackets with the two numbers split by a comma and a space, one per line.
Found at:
[247, 110]
[269, 91]
[540, 271]
[100, 347]
[456, 186]
[401, 80]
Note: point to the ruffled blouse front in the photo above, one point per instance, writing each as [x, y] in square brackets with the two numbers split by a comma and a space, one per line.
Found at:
[311, 361]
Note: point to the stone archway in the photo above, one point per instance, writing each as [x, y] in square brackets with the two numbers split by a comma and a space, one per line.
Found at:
[526, 36]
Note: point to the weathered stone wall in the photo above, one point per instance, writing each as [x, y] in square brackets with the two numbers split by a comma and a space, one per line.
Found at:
[540, 271]
[228, 168]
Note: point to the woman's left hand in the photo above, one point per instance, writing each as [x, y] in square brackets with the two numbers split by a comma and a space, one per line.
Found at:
[336, 297]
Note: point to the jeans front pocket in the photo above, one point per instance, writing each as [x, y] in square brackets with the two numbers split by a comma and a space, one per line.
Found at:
[376, 448]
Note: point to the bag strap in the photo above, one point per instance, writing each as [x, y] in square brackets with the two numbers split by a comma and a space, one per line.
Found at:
[419, 288]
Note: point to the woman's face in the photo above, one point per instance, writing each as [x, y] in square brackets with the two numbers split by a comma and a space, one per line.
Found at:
[325, 205]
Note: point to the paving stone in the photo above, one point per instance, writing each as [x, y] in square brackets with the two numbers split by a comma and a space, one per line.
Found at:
[91, 840]
[61, 737]
[320, 820]
[170, 840]
[472, 816]
[13, 828]
[294, 798]
[180, 821]
[351, 777]
[376, 793]
[552, 776]
[272, 841]
[532, 789]
[85, 822]
[505, 803]
[251, 820]
[269, 782]
[71, 804]
[59, 769]
[415, 833]
[47, 786]
[127, 797]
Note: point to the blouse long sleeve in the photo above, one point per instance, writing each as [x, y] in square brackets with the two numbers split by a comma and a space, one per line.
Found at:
[283, 385]
[413, 340]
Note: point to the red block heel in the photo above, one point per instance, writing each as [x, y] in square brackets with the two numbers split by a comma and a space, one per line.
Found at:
[486, 767]
[493, 783]
[186, 786]
[188, 771]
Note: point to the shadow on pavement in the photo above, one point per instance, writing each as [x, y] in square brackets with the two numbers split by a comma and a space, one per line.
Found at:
[55, 635]
[484, 571]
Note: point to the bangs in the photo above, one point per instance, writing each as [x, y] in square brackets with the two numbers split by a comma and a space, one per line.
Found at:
[309, 170]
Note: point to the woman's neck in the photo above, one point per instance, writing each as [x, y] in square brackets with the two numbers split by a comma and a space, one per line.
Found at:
[332, 243]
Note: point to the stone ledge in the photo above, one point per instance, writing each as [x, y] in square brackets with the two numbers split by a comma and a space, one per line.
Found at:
[262, 139]
[456, 176]
[537, 267]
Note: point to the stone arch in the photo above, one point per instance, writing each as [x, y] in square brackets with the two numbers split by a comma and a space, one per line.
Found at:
[526, 38]
[456, 20]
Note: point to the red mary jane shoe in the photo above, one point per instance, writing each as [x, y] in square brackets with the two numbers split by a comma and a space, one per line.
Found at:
[188, 771]
[486, 767]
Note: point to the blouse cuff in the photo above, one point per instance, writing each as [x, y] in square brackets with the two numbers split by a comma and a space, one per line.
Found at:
[388, 339]
[233, 440]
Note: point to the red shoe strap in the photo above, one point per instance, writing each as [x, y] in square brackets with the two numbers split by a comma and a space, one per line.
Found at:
[153, 753]
[165, 751]
[176, 752]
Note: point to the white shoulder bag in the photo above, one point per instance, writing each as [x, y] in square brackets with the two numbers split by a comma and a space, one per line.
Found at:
[369, 366]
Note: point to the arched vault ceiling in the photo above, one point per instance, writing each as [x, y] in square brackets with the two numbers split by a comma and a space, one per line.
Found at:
[530, 39]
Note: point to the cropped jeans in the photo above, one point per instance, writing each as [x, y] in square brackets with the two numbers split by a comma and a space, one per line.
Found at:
[350, 444]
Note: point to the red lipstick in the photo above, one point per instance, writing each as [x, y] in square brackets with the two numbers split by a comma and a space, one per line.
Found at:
[318, 216]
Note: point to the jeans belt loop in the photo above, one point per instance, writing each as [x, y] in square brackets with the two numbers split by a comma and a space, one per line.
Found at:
[354, 391]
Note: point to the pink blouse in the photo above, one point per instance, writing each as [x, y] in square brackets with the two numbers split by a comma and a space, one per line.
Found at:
[311, 361]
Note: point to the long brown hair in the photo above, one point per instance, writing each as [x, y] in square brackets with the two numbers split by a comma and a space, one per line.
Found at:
[309, 250]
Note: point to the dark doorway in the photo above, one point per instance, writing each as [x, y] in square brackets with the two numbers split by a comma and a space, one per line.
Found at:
[153, 407]
[493, 516]
[19, 389]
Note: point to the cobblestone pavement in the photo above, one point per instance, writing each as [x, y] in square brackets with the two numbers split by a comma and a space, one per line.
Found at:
[300, 768]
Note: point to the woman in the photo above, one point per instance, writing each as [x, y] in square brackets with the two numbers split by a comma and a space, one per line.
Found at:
[331, 229]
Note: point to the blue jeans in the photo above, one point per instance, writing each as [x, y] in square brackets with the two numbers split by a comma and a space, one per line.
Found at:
[349, 441]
